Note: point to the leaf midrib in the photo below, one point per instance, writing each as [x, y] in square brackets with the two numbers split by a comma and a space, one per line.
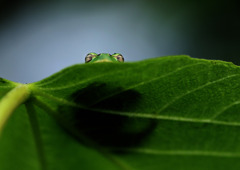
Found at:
[139, 115]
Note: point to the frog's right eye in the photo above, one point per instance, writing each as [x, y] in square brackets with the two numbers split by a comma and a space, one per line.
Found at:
[118, 57]
[89, 57]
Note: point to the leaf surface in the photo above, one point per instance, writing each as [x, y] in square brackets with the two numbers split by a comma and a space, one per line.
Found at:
[165, 113]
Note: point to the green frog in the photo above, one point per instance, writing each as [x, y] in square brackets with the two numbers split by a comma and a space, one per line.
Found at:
[103, 57]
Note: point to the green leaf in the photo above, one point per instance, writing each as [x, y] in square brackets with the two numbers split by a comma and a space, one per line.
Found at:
[165, 113]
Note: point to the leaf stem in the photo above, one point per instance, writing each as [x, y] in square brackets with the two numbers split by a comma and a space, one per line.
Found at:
[11, 101]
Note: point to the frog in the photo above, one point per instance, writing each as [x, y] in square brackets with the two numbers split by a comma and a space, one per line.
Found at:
[103, 57]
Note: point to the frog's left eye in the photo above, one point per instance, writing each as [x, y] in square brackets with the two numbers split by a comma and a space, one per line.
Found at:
[118, 56]
[89, 57]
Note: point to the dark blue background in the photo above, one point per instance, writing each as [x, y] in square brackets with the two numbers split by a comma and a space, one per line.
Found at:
[39, 38]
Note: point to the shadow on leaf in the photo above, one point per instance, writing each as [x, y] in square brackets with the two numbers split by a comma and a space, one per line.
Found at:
[105, 128]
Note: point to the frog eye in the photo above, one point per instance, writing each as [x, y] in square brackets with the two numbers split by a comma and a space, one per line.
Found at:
[89, 57]
[118, 56]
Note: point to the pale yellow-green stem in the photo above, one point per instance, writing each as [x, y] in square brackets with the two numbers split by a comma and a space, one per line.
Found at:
[11, 101]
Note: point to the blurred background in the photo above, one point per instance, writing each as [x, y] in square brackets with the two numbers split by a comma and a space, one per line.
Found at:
[40, 37]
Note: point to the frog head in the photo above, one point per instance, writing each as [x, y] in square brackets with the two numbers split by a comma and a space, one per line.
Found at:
[103, 57]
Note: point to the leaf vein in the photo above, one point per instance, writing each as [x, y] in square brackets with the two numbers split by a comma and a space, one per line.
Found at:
[147, 82]
[86, 80]
[139, 115]
[224, 109]
[191, 91]
[179, 152]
